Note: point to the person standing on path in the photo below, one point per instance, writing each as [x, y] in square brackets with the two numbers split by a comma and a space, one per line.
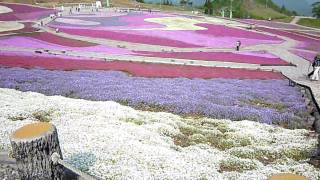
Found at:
[316, 66]
[238, 45]
[314, 60]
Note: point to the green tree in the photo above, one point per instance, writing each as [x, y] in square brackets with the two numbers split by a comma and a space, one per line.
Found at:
[283, 9]
[183, 2]
[316, 9]
[295, 13]
[208, 7]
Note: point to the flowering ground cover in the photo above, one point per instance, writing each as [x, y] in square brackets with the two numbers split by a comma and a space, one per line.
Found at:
[315, 33]
[273, 24]
[52, 42]
[112, 141]
[307, 34]
[26, 29]
[6, 26]
[120, 36]
[44, 40]
[54, 39]
[24, 12]
[137, 69]
[305, 42]
[266, 101]
[161, 29]
[4, 9]
[226, 123]
[304, 54]
[182, 39]
[252, 57]
[220, 30]
[109, 22]
[201, 39]
[26, 55]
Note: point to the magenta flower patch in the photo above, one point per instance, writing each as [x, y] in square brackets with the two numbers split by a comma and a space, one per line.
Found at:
[273, 24]
[51, 42]
[307, 43]
[136, 69]
[119, 36]
[252, 58]
[220, 30]
[307, 55]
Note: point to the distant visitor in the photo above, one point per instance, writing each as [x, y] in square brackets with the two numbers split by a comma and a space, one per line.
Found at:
[238, 45]
[316, 68]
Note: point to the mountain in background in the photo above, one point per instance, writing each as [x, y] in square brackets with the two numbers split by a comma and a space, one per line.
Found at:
[302, 7]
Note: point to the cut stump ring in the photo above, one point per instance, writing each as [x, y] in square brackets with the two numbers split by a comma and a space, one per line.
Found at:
[287, 176]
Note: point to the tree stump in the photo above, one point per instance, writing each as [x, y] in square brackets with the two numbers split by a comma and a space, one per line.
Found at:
[32, 147]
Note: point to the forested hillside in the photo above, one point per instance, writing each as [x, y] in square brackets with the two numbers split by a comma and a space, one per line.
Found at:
[259, 9]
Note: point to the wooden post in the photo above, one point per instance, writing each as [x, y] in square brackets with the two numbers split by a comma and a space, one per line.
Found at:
[32, 147]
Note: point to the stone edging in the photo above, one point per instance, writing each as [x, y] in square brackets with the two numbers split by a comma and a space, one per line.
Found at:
[315, 111]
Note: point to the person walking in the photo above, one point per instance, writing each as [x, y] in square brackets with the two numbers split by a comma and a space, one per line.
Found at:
[316, 66]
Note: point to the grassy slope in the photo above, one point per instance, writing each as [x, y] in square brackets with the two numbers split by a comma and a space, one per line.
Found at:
[253, 8]
[310, 22]
[260, 11]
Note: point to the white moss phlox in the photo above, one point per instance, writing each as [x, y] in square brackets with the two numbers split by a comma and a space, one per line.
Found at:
[10, 26]
[177, 23]
[96, 138]
[77, 22]
[4, 9]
